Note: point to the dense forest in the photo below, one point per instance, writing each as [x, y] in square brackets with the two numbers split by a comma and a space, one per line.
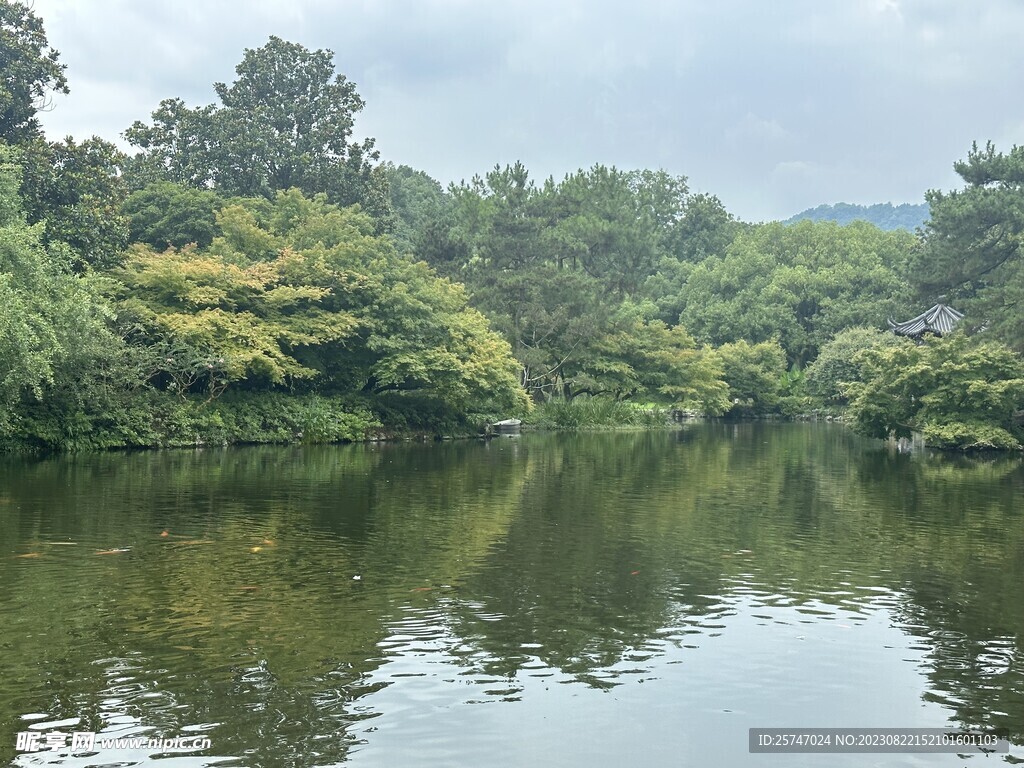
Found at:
[883, 215]
[250, 273]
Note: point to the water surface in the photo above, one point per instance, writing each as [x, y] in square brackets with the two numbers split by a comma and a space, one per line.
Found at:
[571, 600]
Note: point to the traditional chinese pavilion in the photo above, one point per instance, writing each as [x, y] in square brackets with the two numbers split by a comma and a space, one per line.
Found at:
[938, 321]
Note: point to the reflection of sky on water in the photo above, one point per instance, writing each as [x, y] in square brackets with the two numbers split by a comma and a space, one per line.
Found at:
[129, 694]
[686, 697]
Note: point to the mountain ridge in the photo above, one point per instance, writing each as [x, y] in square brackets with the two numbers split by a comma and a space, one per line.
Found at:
[886, 216]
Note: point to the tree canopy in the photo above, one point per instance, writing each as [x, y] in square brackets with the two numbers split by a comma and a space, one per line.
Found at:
[286, 121]
[972, 246]
[76, 189]
[31, 71]
[166, 214]
[297, 290]
[56, 342]
[800, 284]
[960, 394]
[840, 362]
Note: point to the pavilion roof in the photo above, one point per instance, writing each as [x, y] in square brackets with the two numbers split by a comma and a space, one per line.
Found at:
[940, 320]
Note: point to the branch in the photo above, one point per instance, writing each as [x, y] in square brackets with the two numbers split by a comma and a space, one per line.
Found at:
[560, 363]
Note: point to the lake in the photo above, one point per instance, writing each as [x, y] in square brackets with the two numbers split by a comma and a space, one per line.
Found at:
[622, 598]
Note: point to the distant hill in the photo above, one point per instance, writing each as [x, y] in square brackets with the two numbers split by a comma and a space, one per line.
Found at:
[882, 215]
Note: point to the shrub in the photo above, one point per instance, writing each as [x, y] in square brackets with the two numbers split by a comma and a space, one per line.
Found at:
[838, 366]
[588, 412]
[959, 392]
[969, 436]
[754, 374]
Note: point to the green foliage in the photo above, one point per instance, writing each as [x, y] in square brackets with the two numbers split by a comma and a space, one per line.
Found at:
[74, 189]
[420, 205]
[839, 363]
[211, 322]
[56, 346]
[285, 122]
[557, 268]
[754, 373]
[957, 435]
[30, 68]
[248, 275]
[298, 290]
[293, 294]
[972, 244]
[794, 400]
[801, 284]
[168, 215]
[961, 392]
[592, 412]
[705, 229]
[150, 420]
[268, 418]
[77, 190]
[641, 358]
[543, 308]
[614, 224]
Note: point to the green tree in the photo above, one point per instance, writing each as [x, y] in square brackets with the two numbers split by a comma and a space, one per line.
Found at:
[614, 224]
[840, 364]
[551, 264]
[420, 204]
[165, 214]
[754, 374]
[972, 243]
[960, 393]
[213, 322]
[31, 71]
[285, 122]
[76, 190]
[636, 357]
[61, 367]
[500, 246]
[800, 283]
[299, 292]
[705, 229]
[28, 337]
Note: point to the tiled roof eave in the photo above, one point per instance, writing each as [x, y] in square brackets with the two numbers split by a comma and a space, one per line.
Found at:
[940, 319]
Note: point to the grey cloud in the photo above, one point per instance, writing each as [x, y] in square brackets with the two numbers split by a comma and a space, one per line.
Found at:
[775, 107]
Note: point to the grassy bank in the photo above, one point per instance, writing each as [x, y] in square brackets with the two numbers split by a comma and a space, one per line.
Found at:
[158, 420]
[595, 413]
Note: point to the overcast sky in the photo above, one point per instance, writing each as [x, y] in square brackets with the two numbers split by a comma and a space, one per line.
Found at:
[773, 105]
